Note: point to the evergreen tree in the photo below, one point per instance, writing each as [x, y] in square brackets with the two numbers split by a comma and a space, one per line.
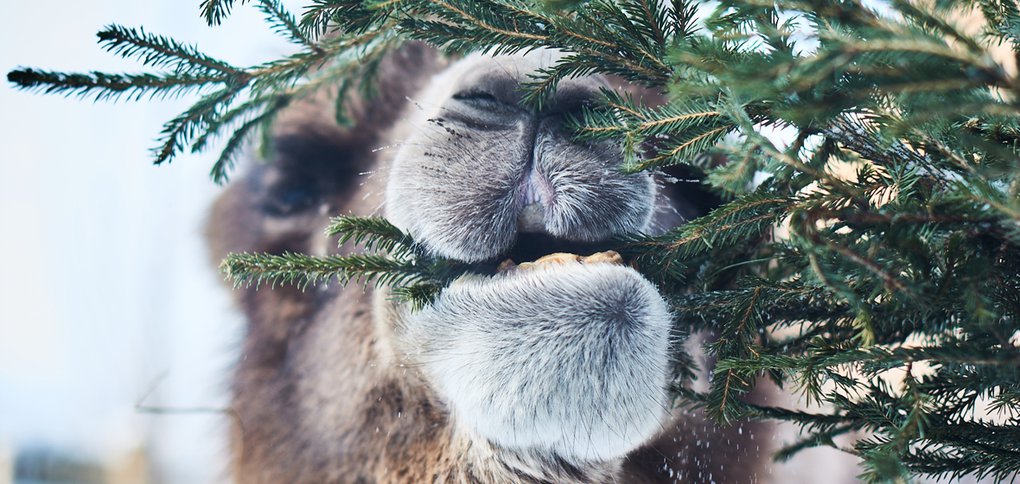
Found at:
[823, 283]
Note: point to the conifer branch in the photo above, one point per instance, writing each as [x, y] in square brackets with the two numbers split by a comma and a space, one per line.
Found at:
[102, 86]
[159, 51]
[285, 24]
[215, 11]
[178, 132]
[374, 233]
[232, 149]
[304, 270]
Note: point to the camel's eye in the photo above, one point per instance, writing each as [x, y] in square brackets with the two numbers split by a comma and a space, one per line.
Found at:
[481, 109]
[288, 199]
[476, 96]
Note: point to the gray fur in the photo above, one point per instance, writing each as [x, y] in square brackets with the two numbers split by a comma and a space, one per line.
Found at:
[565, 359]
[470, 167]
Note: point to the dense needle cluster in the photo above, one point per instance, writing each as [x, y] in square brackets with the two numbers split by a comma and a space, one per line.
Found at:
[871, 264]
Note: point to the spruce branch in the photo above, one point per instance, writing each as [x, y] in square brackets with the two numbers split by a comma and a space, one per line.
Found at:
[736, 222]
[304, 270]
[103, 86]
[350, 16]
[232, 149]
[158, 51]
[268, 87]
[284, 23]
[390, 258]
[178, 132]
[374, 233]
[215, 11]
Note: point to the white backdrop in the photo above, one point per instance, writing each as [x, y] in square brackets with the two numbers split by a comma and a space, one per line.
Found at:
[105, 284]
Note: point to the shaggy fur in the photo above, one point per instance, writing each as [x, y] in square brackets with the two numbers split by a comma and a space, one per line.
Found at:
[475, 160]
[568, 360]
[555, 373]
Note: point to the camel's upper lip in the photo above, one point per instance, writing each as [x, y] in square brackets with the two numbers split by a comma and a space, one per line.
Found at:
[535, 188]
[535, 195]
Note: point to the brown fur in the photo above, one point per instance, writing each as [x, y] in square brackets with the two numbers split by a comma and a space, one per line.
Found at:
[318, 393]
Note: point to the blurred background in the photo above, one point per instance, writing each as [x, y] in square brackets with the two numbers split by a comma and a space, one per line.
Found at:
[116, 332]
